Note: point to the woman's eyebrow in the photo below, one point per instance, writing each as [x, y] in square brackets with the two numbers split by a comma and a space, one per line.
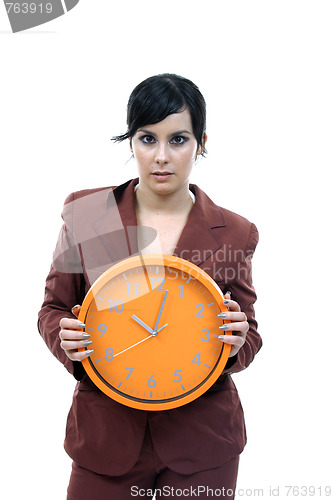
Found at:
[178, 132]
[146, 131]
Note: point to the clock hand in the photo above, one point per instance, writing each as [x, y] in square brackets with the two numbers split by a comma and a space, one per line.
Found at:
[140, 341]
[138, 320]
[146, 327]
[161, 309]
[146, 338]
[166, 324]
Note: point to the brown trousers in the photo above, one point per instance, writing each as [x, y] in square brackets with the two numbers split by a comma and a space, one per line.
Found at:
[150, 476]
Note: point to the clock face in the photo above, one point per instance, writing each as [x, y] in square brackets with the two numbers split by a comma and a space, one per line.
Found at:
[154, 329]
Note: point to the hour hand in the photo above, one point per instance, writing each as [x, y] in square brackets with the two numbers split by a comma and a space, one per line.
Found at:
[146, 327]
[142, 323]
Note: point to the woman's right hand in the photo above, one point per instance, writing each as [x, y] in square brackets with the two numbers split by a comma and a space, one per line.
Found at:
[71, 338]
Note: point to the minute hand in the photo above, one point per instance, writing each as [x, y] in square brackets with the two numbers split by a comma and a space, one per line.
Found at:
[161, 309]
[143, 340]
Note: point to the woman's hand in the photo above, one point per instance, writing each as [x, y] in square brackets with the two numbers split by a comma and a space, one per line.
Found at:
[71, 339]
[239, 325]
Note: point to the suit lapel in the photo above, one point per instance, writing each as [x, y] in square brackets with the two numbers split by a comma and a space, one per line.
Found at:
[198, 242]
[105, 227]
[114, 226]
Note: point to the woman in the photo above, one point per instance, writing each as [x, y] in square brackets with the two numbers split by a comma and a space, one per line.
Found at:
[193, 450]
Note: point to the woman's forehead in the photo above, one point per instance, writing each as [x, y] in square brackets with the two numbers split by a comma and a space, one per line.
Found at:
[176, 121]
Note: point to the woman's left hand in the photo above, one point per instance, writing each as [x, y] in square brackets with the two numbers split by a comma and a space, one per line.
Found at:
[238, 325]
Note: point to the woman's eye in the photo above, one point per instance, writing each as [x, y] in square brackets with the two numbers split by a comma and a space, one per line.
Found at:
[179, 139]
[147, 139]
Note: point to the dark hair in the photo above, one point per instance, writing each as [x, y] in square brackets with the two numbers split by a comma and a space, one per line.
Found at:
[160, 96]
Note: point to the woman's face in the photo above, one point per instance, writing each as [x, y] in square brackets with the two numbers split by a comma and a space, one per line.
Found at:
[165, 153]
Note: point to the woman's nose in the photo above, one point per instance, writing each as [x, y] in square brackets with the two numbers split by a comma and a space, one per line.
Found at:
[161, 154]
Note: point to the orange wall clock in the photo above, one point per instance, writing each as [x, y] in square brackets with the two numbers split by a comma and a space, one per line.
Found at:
[154, 328]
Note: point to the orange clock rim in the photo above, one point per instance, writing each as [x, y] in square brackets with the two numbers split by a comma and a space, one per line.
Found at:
[167, 261]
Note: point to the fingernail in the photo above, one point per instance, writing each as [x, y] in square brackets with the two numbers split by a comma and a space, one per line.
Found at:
[81, 325]
[86, 335]
[224, 327]
[90, 352]
[221, 337]
[87, 342]
[222, 315]
[226, 301]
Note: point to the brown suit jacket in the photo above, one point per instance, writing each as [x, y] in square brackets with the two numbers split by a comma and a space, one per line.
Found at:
[102, 435]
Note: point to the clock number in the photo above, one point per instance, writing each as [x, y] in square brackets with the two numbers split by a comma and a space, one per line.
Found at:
[181, 291]
[178, 375]
[207, 337]
[116, 308]
[129, 373]
[196, 359]
[151, 382]
[102, 328]
[129, 286]
[199, 313]
[109, 354]
[159, 287]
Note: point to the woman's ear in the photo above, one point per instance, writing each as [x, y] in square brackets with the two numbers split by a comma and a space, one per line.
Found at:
[202, 145]
[130, 143]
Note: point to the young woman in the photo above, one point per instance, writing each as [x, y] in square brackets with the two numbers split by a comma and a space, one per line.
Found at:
[119, 452]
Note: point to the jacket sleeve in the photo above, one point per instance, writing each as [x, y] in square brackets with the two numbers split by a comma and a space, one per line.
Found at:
[242, 291]
[65, 287]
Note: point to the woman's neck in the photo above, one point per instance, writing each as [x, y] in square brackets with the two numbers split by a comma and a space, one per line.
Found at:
[179, 202]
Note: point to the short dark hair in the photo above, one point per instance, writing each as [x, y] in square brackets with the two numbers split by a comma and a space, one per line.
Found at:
[160, 96]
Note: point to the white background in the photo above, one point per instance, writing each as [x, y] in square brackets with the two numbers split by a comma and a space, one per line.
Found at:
[265, 69]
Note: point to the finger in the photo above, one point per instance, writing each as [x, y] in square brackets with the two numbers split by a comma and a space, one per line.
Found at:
[241, 326]
[70, 324]
[73, 335]
[235, 346]
[71, 345]
[235, 340]
[79, 356]
[76, 310]
[233, 316]
[231, 305]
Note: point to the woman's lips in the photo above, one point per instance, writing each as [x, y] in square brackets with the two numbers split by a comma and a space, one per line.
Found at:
[161, 175]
